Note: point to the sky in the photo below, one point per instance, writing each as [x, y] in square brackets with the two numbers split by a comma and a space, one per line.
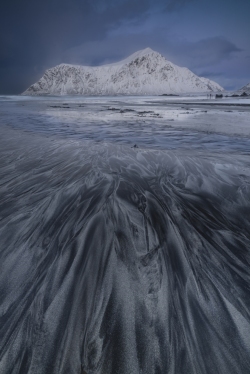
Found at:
[210, 37]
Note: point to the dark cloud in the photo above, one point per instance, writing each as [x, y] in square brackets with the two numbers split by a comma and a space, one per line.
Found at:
[210, 51]
[176, 4]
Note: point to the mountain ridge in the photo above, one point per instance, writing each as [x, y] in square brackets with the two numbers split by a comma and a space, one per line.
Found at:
[145, 72]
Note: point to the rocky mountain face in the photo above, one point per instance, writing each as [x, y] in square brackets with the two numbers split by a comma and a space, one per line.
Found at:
[144, 73]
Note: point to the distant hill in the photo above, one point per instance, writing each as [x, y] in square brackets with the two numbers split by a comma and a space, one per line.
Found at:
[243, 91]
[143, 73]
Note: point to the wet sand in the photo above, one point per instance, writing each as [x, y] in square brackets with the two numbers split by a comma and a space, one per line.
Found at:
[121, 259]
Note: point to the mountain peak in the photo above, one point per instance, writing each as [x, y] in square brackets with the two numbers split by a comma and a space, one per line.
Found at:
[146, 51]
[143, 52]
[145, 72]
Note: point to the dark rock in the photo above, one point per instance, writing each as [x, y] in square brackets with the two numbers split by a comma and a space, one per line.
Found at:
[127, 110]
[58, 106]
[113, 109]
[146, 112]
[169, 95]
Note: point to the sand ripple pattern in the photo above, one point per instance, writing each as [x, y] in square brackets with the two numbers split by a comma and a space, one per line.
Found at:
[122, 261]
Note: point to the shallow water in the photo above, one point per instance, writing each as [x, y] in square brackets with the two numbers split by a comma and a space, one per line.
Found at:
[127, 121]
[117, 259]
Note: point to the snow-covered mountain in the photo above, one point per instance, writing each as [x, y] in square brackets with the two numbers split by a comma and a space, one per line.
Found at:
[244, 90]
[143, 73]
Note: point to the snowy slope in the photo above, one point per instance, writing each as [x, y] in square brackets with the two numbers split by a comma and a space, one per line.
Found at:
[245, 89]
[144, 73]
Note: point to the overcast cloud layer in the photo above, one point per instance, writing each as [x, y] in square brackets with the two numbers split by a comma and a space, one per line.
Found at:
[211, 38]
